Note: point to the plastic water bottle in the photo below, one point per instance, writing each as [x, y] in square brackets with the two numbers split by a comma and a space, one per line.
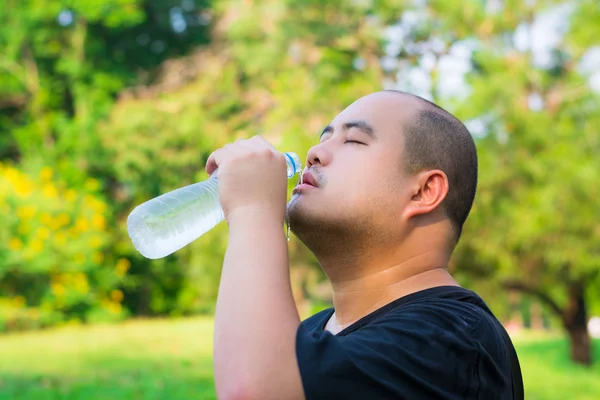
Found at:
[171, 221]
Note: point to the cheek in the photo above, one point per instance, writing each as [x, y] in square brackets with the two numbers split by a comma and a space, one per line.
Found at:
[386, 193]
[367, 193]
[366, 182]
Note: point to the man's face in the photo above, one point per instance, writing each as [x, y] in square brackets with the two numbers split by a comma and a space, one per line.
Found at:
[357, 169]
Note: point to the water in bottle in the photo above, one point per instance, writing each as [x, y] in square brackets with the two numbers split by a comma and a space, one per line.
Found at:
[167, 223]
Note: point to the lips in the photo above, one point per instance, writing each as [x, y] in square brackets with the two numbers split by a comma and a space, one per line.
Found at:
[308, 182]
[309, 179]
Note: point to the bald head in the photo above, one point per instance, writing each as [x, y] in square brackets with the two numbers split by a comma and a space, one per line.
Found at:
[435, 139]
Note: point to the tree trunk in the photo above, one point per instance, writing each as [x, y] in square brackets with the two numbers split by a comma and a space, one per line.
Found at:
[575, 320]
[580, 346]
[573, 316]
[537, 321]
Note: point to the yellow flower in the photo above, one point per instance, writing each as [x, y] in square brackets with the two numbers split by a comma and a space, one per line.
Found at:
[81, 225]
[116, 296]
[25, 212]
[100, 207]
[70, 195]
[19, 301]
[95, 242]
[36, 245]
[15, 244]
[114, 308]
[46, 173]
[96, 205]
[49, 191]
[13, 176]
[61, 220]
[81, 283]
[88, 199]
[46, 218]
[23, 188]
[122, 266]
[60, 238]
[98, 222]
[42, 233]
[57, 289]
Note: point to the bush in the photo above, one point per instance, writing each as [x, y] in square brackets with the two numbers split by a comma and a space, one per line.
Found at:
[54, 263]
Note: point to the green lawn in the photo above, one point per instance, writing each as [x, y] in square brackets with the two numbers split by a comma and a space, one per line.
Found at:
[549, 374]
[136, 360]
[172, 360]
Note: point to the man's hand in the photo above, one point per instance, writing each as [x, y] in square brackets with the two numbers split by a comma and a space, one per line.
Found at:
[252, 178]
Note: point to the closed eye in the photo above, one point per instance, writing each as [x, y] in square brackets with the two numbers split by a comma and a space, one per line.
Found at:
[354, 141]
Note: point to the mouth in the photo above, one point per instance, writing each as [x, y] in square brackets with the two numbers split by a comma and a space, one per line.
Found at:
[308, 181]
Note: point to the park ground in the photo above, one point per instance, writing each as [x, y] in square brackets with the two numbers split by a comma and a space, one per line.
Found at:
[171, 359]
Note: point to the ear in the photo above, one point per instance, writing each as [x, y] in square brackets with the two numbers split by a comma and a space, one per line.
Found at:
[430, 190]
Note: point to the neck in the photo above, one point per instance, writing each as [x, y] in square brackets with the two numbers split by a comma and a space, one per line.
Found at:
[367, 280]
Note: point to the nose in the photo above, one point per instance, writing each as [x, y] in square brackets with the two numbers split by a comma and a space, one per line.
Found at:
[318, 155]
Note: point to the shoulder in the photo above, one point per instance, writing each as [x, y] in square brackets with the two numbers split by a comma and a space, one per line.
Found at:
[458, 314]
[459, 332]
[449, 308]
[317, 321]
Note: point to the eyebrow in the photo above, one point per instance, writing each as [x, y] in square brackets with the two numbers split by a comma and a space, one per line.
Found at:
[361, 125]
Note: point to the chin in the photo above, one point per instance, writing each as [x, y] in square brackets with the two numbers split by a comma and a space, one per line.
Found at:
[293, 210]
[309, 219]
[299, 214]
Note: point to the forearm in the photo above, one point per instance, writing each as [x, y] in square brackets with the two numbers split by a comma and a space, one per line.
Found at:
[256, 317]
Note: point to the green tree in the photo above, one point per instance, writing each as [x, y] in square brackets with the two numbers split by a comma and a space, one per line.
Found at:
[533, 107]
[62, 62]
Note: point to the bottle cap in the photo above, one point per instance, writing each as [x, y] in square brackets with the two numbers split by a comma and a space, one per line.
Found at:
[294, 165]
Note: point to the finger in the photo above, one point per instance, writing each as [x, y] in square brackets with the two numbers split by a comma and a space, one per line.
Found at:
[258, 142]
[215, 159]
[222, 155]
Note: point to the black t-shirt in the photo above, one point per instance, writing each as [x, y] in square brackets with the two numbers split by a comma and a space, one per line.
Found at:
[439, 343]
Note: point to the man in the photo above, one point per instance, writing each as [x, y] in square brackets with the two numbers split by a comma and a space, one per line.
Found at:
[383, 201]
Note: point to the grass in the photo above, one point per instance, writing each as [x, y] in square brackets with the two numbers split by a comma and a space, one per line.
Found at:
[136, 360]
[158, 360]
[549, 374]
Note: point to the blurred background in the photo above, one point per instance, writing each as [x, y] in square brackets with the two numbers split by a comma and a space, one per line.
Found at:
[106, 104]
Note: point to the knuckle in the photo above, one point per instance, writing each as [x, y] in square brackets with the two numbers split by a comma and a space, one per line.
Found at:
[265, 152]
